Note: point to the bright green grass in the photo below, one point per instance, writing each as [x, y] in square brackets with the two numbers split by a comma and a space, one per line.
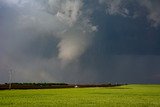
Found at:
[124, 96]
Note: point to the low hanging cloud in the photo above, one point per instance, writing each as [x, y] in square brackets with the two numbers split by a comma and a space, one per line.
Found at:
[122, 7]
[34, 20]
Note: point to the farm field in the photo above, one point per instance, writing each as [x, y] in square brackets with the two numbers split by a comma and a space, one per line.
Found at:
[121, 96]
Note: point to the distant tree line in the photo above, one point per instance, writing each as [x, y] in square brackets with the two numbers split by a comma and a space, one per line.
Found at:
[52, 85]
[39, 84]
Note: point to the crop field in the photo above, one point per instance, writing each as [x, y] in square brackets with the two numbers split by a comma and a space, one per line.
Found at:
[121, 96]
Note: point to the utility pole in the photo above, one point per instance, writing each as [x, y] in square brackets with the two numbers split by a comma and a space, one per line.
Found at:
[10, 78]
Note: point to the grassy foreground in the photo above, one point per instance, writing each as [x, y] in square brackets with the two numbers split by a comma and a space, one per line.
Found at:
[123, 96]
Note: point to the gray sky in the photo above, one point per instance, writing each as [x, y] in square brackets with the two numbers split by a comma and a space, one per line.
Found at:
[80, 41]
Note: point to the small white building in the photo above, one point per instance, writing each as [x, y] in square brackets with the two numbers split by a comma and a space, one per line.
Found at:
[75, 86]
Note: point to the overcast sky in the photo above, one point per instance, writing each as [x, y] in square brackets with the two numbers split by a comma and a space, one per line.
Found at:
[80, 41]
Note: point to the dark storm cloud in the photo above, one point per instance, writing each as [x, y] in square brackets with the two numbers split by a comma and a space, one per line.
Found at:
[56, 41]
[118, 35]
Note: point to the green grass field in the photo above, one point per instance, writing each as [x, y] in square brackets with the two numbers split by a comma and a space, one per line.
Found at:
[123, 96]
